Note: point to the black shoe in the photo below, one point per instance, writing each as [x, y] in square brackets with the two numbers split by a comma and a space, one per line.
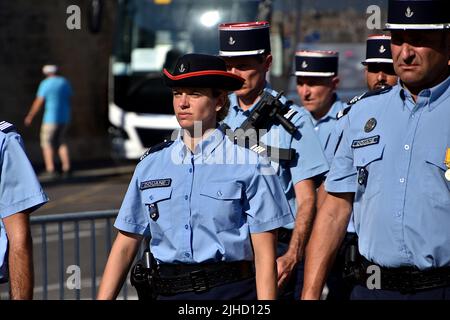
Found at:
[66, 174]
[49, 176]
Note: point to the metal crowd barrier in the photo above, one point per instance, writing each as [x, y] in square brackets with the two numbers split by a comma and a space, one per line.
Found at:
[72, 241]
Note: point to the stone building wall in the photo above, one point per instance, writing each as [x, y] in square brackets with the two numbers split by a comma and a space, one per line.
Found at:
[33, 33]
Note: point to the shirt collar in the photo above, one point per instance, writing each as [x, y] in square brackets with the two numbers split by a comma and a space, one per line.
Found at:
[331, 114]
[234, 102]
[435, 94]
[204, 148]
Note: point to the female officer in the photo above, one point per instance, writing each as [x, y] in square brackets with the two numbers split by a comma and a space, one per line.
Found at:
[209, 206]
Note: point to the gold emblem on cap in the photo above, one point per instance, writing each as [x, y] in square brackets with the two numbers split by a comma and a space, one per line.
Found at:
[409, 13]
[231, 41]
[447, 163]
[182, 68]
[304, 65]
[382, 49]
[370, 125]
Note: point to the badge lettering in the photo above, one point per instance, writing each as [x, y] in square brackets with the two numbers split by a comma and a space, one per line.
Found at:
[160, 183]
[365, 142]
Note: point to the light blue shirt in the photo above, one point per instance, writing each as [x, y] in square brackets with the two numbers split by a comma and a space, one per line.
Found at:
[402, 214]
[208, 202]
[325, 125]
[309, 161]
[19, 188]
[56, 92]
[331, 146]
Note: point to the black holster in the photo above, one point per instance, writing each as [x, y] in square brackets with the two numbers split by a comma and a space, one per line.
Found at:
[142, 277]
[352, 258]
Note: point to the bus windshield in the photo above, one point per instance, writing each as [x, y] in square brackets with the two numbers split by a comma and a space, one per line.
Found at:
[152, 34]
[156, 27]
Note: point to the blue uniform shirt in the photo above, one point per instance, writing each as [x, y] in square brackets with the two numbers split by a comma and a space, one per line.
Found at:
[310, 160]
[325, 125]
[207, 203]
[19, 187]
[56, 92]
[332, 144]
[401, 212]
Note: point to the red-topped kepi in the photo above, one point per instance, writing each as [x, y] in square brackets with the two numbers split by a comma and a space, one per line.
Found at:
[316, 63]
[244, 38]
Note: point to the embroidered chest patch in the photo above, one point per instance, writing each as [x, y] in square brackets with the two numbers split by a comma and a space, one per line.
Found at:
[365, 142]
[160, 183]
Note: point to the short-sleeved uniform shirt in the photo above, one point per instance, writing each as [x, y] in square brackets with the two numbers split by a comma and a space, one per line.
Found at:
[331, 147]
[325, 125]
[56, 92]
[19, 188]
[202, 206]
[309, 161]
[402, 205]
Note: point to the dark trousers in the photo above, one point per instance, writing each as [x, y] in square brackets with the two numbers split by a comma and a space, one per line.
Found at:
[362, 293]
[238, 290]
[340, 289]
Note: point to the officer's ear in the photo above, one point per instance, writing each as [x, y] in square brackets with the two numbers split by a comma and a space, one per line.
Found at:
[268, 62]
[222, 98]
[334, 82]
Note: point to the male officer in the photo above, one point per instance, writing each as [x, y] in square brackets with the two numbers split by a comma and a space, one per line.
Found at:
[246, 49]
[393, 167]
[317, 81]
[20, 194]
[379, 69]
[380, 76]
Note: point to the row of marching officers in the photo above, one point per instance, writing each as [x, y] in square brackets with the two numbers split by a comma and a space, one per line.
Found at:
[258, 198]
[389, 155]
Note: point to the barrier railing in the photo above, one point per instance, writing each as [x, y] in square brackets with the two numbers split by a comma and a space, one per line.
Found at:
[70, 251]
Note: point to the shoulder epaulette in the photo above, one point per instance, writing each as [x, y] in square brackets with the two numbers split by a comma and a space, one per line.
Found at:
[156, 148]
[6, 127]
[367, 94]
[343, 112]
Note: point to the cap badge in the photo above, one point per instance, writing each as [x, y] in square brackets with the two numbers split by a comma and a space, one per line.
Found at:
[182, 68]
[304, 65]
[231, 41]
[382, 49]
[409, 13]
[370, 125]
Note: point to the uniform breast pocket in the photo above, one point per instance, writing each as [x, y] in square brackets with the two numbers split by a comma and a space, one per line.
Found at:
[436, 185]
[367, 162]
[221, 205]
[157, 201]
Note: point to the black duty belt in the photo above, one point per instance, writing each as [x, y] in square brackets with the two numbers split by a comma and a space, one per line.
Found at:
[406, 279]
[284, 235]
[178, 278]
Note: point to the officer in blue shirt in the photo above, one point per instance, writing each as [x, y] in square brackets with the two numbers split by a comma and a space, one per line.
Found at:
[246, 49]
[211, 207]
[392, 166]
[317, 80]
[379, 70]
[380, 76]
[20, 194]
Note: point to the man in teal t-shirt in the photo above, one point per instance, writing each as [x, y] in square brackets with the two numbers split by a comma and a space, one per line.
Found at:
[54, 92]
